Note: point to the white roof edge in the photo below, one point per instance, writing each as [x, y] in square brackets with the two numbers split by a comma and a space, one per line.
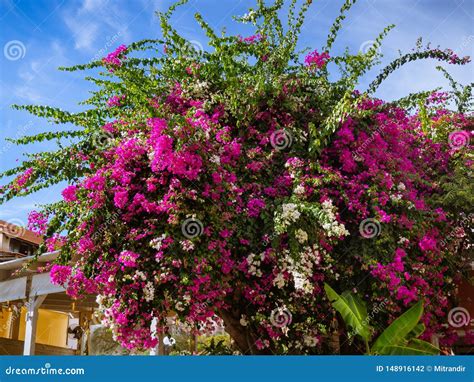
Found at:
[17, 263]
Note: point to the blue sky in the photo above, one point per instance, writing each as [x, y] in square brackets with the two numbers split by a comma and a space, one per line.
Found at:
[37, 36]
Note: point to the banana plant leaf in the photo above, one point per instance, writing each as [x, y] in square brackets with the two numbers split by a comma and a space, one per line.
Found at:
[416, 332]
[414, 347]
[399, 329]
[352, 310]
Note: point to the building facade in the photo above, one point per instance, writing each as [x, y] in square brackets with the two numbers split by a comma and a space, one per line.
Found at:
[36, 317]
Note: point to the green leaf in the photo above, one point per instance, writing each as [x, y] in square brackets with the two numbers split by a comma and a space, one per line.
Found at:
[352, 310]
[414, 347]
[356, 304]
[399, 329]
[416, 332]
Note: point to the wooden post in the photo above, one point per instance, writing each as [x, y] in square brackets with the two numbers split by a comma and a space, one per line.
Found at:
[31, 323]
[194, 340]
[15, 324]
[84, 323]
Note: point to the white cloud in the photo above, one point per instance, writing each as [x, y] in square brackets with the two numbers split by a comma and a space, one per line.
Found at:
[28, 93]
[84, 34]
[39, 73]
[91, 5]
[17, 209]
[94, 21]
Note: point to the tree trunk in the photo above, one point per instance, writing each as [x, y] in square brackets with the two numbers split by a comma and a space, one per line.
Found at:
[243, 337]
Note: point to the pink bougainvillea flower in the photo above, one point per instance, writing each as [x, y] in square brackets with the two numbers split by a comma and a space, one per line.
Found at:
[37, 222]
[128, 258]
[69, 193]
[60, 274]
[114, 60]
[115, 101]
[316, 60]
[427, 243]
[23, 179]
[251, 39]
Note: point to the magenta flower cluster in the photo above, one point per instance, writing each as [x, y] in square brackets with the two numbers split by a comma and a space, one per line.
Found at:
[115, 59]
[316, 60]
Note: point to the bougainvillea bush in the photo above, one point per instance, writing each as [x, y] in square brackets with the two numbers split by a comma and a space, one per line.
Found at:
[231, 184]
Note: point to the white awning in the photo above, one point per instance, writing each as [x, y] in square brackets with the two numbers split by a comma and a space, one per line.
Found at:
[18, 263]
[13, 289]
[41, 284]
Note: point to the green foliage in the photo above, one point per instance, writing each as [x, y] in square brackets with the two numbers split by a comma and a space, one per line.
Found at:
[399, 329]
[230, 69]
[399, 338]
[462, 94]
[413, 347]
[413, 100]
[352, 309]
[410, 57]
[215, 345]
[338, 23]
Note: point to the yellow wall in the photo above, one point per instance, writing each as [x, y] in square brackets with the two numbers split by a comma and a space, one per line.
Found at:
[4, 323]
[51, 330]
